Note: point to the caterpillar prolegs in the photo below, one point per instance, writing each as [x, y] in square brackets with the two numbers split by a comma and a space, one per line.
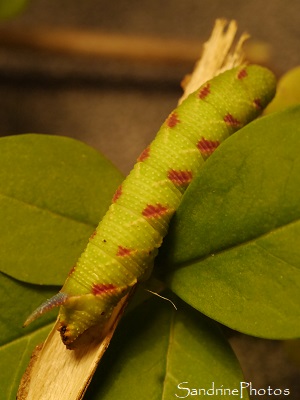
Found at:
[121, 251]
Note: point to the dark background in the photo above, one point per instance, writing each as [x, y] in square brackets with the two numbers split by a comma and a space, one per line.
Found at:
[117, 106]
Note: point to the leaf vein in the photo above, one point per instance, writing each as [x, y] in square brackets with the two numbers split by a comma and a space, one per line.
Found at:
[47, 210]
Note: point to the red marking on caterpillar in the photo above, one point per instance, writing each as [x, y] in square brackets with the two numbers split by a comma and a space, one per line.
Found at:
[230, 120]
[207, 146]
[172, 120]
[123, 251]
[117, 194]
[257, 104]
[72, 270]
[93, 235]
[144, 154]
[154, 211]
[204, 92]
[242, 74]
[100, 288]
[180, 177]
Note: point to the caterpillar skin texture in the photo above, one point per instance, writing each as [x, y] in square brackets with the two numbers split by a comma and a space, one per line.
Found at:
[121, 251]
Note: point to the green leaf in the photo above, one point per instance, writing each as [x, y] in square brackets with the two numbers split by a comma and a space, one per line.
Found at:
[156, 348]
[53, 192]
[234, 245]
[9, 8]
[287, 93]
[18, 299]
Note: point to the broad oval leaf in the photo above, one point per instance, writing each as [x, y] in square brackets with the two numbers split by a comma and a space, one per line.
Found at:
[234, 245]
[53, 192]
[157, 348]
[287, 92]
[18, 299]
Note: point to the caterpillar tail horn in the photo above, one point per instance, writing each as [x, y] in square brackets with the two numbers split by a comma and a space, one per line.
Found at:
[58, 300]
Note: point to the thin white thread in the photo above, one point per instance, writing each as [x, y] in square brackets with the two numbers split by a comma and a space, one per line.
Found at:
[162, 297]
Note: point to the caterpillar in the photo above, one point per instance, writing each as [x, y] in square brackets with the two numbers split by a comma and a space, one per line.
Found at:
[122, 250]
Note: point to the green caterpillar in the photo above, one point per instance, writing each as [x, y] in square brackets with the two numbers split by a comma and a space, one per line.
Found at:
[121, 251]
